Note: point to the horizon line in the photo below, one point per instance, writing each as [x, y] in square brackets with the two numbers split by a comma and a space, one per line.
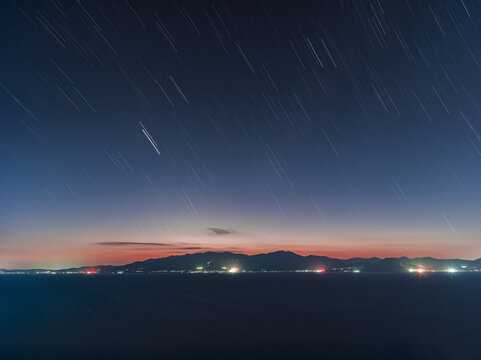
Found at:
[239, 253]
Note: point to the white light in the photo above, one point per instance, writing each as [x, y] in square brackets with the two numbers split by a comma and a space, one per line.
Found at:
[451, 270]
[411, 270]
[233, 270]
[357, 271]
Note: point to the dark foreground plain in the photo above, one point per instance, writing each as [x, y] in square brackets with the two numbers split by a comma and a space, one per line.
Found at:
[241, 316]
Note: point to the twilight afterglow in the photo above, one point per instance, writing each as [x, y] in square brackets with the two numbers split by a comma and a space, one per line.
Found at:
[135, 130]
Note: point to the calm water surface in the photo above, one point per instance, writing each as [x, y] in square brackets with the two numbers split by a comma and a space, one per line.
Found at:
[241, 316]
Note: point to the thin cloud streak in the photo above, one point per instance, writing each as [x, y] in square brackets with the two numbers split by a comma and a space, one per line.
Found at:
[219, 231]
[127, 243]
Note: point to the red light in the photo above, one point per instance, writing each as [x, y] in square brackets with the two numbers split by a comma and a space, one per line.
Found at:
[90, 272]
[320, 270]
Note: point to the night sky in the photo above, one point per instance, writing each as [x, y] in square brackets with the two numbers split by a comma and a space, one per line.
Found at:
[138, 129]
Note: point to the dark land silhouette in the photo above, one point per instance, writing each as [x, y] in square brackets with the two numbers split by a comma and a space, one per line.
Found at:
[277, 261]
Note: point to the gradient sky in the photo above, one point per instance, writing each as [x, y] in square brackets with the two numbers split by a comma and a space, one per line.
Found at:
[341, 128]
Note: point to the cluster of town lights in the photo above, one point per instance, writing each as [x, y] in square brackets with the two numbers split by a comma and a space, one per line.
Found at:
[422, 270]
[417, 270]
[234, 269]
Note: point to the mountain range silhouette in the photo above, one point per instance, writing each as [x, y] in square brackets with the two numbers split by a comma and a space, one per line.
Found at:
[283, 261]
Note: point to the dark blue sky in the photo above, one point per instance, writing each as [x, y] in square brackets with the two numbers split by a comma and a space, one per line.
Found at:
[337, 127]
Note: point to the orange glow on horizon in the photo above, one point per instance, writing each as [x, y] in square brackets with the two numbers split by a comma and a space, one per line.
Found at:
[56, 257]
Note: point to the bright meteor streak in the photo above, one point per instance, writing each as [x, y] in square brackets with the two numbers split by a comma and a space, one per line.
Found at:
[149, 137]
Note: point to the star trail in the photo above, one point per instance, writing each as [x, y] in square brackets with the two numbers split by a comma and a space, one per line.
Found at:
[337, 128]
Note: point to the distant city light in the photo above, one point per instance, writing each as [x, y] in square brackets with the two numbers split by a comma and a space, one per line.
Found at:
[411, 270]
[356, 271]
[233, 269]
[451, 270]
[320, 270]
[200, 268]
[420, 270]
